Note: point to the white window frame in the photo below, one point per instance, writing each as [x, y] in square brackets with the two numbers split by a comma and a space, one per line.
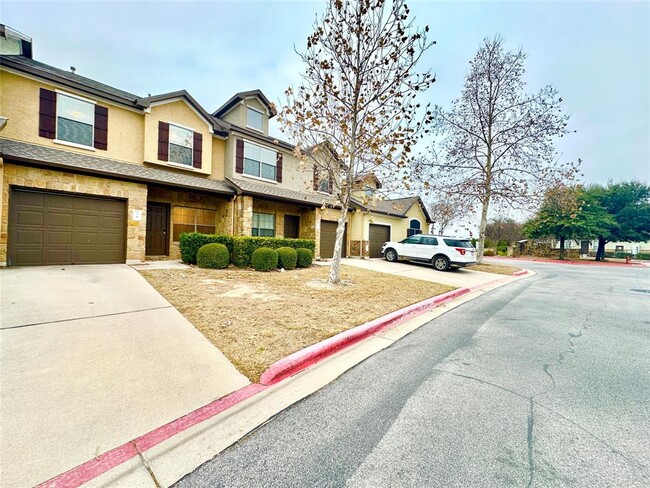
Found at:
[69, 143]
[261, 129]
[265, 228]
[259, 176]
[169, 146]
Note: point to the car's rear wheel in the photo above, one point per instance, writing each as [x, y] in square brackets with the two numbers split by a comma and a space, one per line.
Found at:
[441, 263]
[390, 255]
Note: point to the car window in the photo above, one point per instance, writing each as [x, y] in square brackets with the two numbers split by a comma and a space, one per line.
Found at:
[429, 241]
[458, 243]
[412, 240]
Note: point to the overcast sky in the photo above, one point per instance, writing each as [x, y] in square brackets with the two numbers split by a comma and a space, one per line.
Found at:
[597, 54]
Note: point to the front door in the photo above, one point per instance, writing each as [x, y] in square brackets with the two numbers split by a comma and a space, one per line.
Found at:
[291, 226]
[157, 243]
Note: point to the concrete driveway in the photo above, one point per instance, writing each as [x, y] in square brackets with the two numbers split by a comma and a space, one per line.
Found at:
[92, 357]
[463, 277]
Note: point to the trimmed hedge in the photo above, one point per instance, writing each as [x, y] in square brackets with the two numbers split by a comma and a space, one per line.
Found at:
[305, 257]
[191, 242]
[213, 256]
[244, 247]
[488, 252]
[241, 248]
[287, 258]
[264, 259]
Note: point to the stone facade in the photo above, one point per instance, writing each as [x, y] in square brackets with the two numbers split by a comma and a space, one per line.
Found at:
[189, 199]
[28, 177]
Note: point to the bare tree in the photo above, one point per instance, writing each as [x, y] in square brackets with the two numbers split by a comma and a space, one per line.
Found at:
[497, 144]
[445, 211]
[358, 95]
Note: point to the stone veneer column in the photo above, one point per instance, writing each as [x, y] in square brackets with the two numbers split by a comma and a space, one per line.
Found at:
[243, 215]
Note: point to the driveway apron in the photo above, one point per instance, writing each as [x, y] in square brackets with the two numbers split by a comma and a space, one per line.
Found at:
[93, 357]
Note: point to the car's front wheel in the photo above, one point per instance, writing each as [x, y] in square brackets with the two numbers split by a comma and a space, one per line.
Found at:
[390, 255]
[441, 263]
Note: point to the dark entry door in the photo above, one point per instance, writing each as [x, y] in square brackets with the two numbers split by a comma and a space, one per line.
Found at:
[157, 243]
[291, 226]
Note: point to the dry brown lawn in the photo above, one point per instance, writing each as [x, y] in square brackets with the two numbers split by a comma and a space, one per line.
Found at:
[494, 268]
[258, 318]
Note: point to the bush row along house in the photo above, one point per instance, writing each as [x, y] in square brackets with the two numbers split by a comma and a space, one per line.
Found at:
[93, 174]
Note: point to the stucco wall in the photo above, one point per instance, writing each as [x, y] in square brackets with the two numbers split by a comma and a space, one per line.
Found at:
[295, 176]
[178, 112]
[237, 114]
[134, 193]
[20, 101]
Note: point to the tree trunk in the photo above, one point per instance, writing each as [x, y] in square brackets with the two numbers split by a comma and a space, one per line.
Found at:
[561, 247]
[600, 253]
[481, 232]
[335, 267]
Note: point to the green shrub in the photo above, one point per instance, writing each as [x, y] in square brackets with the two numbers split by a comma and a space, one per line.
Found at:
[264, 259]
[191, 242]
[214, 256]
[503, 243]
[643, 255]
[488, 252]
[305, 257]
[245, 246]
[287, 258]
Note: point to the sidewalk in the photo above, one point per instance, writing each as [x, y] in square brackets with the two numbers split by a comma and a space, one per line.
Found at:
[172, 450]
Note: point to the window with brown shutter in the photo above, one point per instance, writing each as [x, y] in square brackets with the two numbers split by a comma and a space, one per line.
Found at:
[315, 178]
[101, 128]
[47, 114]
[239, 156]
[278, 166]
[163, 141]
[198, 150]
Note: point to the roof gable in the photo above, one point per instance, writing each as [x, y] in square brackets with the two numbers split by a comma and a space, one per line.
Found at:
[238, 97]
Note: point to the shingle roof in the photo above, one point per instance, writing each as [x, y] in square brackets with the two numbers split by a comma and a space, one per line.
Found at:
[279, 193]
[396, 206]
[237, 97]
[68, 78]
[66, 160]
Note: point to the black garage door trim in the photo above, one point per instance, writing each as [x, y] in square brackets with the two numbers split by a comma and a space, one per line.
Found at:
[48, 227]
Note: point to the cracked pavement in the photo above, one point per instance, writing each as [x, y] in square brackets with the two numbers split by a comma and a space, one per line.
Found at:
[541, 383]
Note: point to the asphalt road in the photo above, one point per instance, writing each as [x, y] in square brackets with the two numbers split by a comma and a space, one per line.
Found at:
[545, 382]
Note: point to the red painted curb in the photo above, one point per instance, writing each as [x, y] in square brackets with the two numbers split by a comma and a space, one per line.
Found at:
[278, 371]
[521, 272]
[113, 458]
[300, 360]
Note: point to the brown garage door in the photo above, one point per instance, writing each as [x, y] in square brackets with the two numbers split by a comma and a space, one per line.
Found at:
[328, 237]
[378, 235]
[64, 228]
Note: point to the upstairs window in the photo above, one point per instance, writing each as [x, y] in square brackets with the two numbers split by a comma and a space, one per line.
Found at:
[324, 185]
[414, 228]
[75, 120]
[254, 119]
[263, 225]
[180, 145]
[259, 161]
[370, 191]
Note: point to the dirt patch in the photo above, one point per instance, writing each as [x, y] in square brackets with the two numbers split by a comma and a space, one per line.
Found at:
[258, 318]
[495, 268]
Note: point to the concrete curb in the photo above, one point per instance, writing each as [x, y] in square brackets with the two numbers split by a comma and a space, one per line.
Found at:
[301, 360]
[277, 372]
[633, 264]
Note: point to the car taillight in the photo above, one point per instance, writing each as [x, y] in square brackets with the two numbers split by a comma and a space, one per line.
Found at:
[461, 251]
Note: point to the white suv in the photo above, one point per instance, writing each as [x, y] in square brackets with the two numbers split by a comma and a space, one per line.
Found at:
[441, 251]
